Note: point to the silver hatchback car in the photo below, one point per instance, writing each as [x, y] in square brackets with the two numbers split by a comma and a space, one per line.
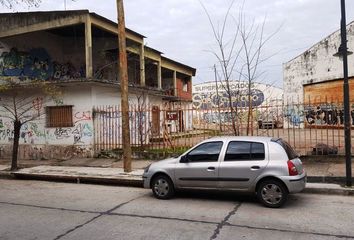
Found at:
[266, 166]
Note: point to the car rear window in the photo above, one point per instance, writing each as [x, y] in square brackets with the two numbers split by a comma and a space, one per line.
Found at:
[288, 149]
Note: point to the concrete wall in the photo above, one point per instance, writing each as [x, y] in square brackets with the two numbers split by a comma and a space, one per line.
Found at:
[316, 65]
[35, 137]
[38, 141]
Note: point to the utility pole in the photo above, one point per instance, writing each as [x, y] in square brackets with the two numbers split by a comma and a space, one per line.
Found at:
[123, 76]
[346, 99]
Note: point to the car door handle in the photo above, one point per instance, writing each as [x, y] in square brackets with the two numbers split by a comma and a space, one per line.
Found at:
[211, 169]
[255, 167]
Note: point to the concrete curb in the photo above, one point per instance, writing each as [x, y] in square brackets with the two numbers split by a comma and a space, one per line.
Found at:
[330, 189]
[327, 179]
[6, 175]
[123, 181]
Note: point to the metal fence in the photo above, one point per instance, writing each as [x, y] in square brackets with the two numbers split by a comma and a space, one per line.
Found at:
[309, 128]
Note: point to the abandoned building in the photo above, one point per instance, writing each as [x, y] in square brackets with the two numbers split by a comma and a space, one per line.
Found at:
[77, 51]
[314, 79]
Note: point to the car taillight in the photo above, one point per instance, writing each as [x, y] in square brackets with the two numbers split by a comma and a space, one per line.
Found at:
[292, 169]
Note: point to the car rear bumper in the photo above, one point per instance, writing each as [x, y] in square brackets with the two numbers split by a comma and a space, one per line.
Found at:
[295, 184]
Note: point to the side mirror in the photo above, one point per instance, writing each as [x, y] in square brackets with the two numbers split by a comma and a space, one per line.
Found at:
[184, 159]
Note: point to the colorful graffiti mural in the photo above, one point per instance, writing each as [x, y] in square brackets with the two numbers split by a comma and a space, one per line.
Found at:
[316, 115]
[238, 99]
[36, 64]
[212, 95]
[36, 133]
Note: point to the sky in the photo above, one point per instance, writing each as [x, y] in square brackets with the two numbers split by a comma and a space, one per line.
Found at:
[181, 29]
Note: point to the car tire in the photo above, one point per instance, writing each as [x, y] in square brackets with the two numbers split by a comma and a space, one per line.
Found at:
[162, 187]
[272, 193]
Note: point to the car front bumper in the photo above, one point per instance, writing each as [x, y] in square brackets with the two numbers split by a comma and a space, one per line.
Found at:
[146, 180]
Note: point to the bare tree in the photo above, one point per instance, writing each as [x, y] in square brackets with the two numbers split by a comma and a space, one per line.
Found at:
[241, 54]
[227, 55]
[253, 43]
[18, 103]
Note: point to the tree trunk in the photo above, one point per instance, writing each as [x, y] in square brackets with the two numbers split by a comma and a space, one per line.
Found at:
[17, 129]
[249, 114]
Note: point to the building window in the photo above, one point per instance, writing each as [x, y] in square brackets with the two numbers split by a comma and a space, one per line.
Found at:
[59, 116]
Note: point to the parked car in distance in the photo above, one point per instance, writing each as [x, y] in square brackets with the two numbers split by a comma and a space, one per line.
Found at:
[266, 166]
[269, 122]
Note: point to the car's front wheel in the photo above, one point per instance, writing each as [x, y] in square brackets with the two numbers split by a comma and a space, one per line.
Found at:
[272, 193]
[162, 187]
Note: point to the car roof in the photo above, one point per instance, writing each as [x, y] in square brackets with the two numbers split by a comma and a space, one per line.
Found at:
[242, 138]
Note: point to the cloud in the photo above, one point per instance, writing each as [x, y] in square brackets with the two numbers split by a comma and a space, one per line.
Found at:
[181, 30]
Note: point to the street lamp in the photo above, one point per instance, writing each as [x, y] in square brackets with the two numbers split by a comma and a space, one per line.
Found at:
[340, 52]
[343, 54]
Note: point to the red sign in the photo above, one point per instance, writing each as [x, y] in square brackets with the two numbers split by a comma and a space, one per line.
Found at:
[171, 115]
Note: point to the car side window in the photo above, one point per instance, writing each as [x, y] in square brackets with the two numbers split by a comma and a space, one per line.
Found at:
[206, 152]
[244, 151]
[257, 151]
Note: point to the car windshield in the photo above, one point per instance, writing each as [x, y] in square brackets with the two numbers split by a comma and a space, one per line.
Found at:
[288, 149]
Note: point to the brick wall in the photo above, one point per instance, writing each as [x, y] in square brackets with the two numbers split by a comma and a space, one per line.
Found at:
[182, 94]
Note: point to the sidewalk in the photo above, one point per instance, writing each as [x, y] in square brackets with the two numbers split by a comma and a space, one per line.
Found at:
[321, 174]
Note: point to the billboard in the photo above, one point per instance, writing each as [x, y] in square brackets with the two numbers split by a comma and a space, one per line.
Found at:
[206, 95]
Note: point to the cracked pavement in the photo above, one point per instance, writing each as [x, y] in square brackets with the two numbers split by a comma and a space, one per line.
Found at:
[47, 210]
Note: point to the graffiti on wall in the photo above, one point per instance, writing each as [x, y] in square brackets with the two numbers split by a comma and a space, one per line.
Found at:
[80, 131]
[36, 133]
[67, 71]
[36, 64]
[6, 131]
[82, 116]
[33, 64]
[317, 115]
[31, 133]
[294, 114]
[61, 133]
[238, 99]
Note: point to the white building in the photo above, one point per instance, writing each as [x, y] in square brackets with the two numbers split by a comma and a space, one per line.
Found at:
[316, 75]
[211, 102]
[315, 79]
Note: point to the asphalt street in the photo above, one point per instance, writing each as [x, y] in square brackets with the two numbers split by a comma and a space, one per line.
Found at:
[48, 210]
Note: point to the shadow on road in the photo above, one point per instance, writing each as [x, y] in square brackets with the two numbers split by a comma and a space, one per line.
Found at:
[294, 200]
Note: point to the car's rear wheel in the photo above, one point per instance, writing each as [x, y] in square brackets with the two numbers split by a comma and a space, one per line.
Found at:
[162, 187]
[272, 193]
